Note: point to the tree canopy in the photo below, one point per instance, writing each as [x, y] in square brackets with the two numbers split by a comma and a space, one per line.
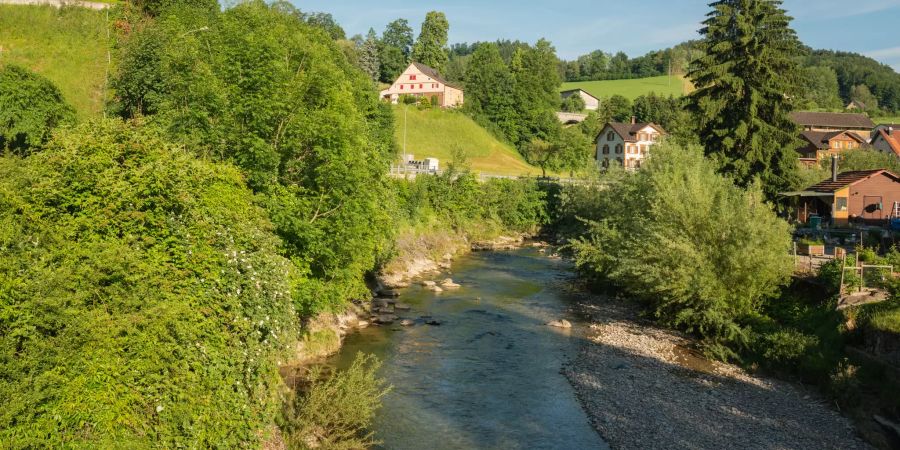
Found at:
[31, 106]
[431, 46]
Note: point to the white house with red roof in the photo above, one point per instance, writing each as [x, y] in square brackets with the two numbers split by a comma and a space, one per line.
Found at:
[626, 144]
[419, 80]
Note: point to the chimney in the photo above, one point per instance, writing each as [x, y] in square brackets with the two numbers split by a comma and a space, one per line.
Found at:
[633, 120]
[834, 168]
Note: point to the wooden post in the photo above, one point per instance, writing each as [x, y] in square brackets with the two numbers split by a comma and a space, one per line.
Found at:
[843, 267]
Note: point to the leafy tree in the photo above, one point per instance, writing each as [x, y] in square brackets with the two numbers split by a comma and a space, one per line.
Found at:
[617, 108]
[854, 69]
[127, 259]
[368, 56]
[536, 90]
[326, 22]
[862, 94]
[570, 151]
[392, 62]
[745, 81]
[573, 103]
[31, 106]
[711, 280]
[668, 112]
[490, 92]
[431, 47]
[162, 7]
[399, 34]
[275, 97]
[820, 88]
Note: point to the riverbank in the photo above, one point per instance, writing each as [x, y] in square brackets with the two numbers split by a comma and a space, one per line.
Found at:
[643, 389]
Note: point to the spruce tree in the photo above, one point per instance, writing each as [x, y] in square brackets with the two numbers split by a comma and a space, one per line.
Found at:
[368, 56]
[431, 47]
[746, 84]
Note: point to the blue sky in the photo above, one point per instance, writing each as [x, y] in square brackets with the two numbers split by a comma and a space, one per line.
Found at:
[575, 27]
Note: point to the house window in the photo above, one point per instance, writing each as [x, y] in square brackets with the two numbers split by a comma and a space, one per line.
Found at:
[643, 149]
[412, 78]
[840, 203]
[420, 86]
[835, 145]
[401, 87]
[618, 149]
[605, 163]
[606, 149]
[610, 136]
[619, 160]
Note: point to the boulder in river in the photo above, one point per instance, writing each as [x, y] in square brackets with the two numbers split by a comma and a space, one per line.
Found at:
[385, 319]
[428, 283]
[432, 322]
[448, 283]
[388, 293]
[402, 307]
[561, 323]
[407, 323]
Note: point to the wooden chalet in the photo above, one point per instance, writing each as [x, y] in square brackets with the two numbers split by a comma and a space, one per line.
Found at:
[866, 196]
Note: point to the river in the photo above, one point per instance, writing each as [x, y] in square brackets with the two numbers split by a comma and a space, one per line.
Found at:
[489, 376]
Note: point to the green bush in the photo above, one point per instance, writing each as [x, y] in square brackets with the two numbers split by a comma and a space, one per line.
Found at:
[143, 299]
[31, 106]
[703, 253]
[336, 411]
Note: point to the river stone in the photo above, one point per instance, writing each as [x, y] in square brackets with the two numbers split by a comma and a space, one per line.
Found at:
[449, 284]
[562, 323]
[429, 283]
[433, 322]
[388, 293]
[436, 289]
[385, 319]
[386, 309]
[407, 323]
[362, 324]
[379, 303]
[402, 307]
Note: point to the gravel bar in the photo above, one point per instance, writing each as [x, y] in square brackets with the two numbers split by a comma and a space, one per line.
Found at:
[642, 389]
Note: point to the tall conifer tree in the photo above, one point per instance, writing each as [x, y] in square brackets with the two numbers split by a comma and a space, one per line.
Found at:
[746, 85]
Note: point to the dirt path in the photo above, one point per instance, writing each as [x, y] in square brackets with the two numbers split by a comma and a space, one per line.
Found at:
[642, 390]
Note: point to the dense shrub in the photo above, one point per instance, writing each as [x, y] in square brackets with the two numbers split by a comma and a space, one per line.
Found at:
[703, 253]
[461, 201]
[143, 301]
[336, 410]
[31, 106]
[257, 86]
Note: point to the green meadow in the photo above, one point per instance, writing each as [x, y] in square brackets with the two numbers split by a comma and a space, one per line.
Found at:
[633, 88]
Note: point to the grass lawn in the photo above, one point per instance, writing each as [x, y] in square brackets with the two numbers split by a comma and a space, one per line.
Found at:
[888, 119]
[436, 133]
[66, 45]
[634, 88]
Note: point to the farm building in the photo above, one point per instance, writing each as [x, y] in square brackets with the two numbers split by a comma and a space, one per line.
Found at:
[822, 144]
[590, 102]
[860, 124]
[626, 144]
[887, 140]
[866, 196]
[419, 80]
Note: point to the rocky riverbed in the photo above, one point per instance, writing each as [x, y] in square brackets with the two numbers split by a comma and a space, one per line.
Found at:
[642, 389]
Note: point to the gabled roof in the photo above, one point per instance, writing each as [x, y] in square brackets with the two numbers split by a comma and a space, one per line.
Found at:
[832, 120]
[845, 179]
[892, 139]
[629, 131]
[821, 139]
[576, 90]
[434, 75]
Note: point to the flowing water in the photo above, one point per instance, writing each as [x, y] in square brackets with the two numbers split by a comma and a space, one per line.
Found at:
[489, 377]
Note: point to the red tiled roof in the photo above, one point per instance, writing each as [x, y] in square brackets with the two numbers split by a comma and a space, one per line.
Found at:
[892, 139]
[628, 131]
[832, 120]
[845, 179]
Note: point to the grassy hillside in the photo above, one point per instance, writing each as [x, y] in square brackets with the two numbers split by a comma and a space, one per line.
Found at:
[634, 88]
[437, 133]
[67, 45]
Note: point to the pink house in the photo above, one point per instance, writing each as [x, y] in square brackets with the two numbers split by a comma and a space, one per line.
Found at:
[420, 80]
